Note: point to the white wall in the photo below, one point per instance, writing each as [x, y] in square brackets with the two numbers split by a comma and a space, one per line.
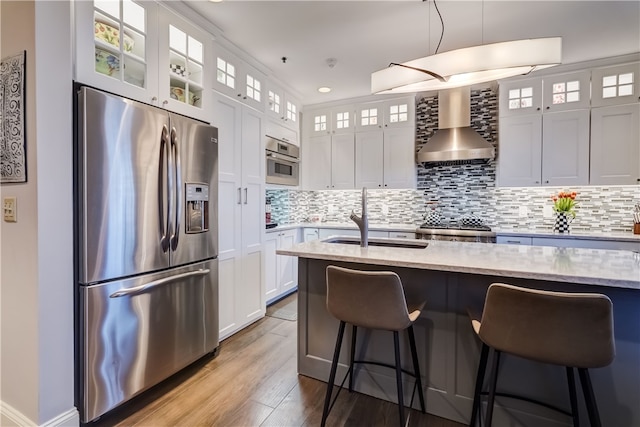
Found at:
[36, 269]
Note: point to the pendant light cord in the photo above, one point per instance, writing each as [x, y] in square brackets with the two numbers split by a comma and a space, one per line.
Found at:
[442, 23]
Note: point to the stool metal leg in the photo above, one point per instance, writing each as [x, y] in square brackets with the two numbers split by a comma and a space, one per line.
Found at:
[572, 396]
[482, 367]
[416, 366]
[495, 363]
[332, 374]
[396, 345]
[589, 397]
[354, 331]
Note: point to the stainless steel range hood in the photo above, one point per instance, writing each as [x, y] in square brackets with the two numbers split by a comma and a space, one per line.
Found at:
[455, 140]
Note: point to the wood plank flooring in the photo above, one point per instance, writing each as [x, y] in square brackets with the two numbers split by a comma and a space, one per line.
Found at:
[253, 382]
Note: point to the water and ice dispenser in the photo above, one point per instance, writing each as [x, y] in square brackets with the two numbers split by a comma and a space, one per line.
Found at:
[197, 202]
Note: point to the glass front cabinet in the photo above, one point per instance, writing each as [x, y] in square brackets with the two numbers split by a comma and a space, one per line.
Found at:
[142, 51]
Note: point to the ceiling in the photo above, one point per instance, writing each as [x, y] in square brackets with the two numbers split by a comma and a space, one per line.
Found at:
[365, 36]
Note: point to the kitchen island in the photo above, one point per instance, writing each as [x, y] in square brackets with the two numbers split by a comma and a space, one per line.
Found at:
[452, 276]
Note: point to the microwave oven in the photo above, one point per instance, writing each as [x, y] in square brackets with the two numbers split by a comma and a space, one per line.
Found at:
[282, 162]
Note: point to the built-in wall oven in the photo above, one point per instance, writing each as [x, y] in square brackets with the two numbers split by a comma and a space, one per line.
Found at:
[282, 162]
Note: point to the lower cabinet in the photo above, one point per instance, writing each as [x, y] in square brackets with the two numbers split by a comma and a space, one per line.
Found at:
[570, 242]
[281, 272]
[328, 232]
[309, 234]
[513, 240]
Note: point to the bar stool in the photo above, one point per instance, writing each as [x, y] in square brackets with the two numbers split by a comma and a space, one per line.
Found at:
[574, 330]
[374, 300]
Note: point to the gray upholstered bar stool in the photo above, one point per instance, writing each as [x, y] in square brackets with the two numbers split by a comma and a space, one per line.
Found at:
[374, 300]
[574, 330]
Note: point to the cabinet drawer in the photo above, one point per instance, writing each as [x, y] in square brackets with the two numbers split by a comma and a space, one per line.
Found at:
[401, 235]
[513, 240]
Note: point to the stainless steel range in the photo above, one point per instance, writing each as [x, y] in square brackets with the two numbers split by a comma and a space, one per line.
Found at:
[455, 232]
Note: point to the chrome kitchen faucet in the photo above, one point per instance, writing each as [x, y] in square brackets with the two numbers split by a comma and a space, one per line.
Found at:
[362, 222]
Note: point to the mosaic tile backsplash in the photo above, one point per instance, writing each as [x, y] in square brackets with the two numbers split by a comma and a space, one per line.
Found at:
[463, 189]
[599, 208]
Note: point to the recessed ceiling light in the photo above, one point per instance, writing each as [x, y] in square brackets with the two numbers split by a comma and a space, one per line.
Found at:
[324, 89]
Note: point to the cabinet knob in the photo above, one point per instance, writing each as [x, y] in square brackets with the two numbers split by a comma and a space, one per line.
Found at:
[538, 109]
[385, 185]
[546, 182]
[239, 94]
[537, 182]
[548, 107]
[164, 103]
[154, 99]
[379, 185]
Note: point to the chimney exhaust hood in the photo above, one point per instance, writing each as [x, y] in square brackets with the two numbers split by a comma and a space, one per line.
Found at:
[455, 140]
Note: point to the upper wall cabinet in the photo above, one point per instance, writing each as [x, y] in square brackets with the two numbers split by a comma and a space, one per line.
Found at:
[385, 114]
[615, 125]
[616, 85]
[238, 79]
[145, 52]
[183, 65]
[544, 131]
[282, 106]
[330, 121]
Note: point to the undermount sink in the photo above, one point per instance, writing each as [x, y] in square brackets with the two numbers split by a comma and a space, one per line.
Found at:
[380, 241]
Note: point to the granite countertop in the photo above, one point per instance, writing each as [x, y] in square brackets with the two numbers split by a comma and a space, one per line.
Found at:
[583, 234]
[611, 268]
[348, 225]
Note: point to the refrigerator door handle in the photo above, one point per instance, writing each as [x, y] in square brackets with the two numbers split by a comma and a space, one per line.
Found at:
[162, 171]
[178, 188]
[147, 286]
[239, 195]
[245, 195]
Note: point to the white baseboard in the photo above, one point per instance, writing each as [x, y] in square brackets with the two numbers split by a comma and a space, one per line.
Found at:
[9, 416]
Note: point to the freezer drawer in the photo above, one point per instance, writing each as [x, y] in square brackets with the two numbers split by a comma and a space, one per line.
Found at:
[139, 331]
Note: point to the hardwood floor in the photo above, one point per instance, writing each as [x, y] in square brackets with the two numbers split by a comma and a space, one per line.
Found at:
[253, 382]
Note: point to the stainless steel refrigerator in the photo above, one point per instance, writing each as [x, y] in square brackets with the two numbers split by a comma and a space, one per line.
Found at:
[146, 247]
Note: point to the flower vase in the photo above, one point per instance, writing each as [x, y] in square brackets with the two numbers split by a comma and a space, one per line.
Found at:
[563, 219]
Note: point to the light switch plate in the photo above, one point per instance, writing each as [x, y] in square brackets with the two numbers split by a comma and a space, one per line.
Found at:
[547, 211]
[523, 211]
[10, 209]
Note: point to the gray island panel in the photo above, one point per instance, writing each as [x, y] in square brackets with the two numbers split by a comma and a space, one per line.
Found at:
[452, 276]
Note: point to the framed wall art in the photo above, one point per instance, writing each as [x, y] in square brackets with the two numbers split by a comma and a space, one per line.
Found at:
[13, 155]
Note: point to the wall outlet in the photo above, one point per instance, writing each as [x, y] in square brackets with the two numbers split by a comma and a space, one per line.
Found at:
[385, 210]
[10, 209]
[523, 211]
[547, 211]
[331, 209]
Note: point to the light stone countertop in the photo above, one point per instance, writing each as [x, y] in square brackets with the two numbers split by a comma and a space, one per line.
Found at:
[611, 268]
[582, 234]
[345, 225]
[595, 234]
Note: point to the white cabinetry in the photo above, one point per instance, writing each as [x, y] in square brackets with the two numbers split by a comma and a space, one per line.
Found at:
[328, 232]
[544, 131]
[385, 144]
[401, 235]
[143, 51]
[386, 159]
[569, 242]
[586, 243]
[238, 80]
[309, 234]
[615, 126]
[282, 107]
[329, 154]
[241, 214]
[281, 271]
[513, 240]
